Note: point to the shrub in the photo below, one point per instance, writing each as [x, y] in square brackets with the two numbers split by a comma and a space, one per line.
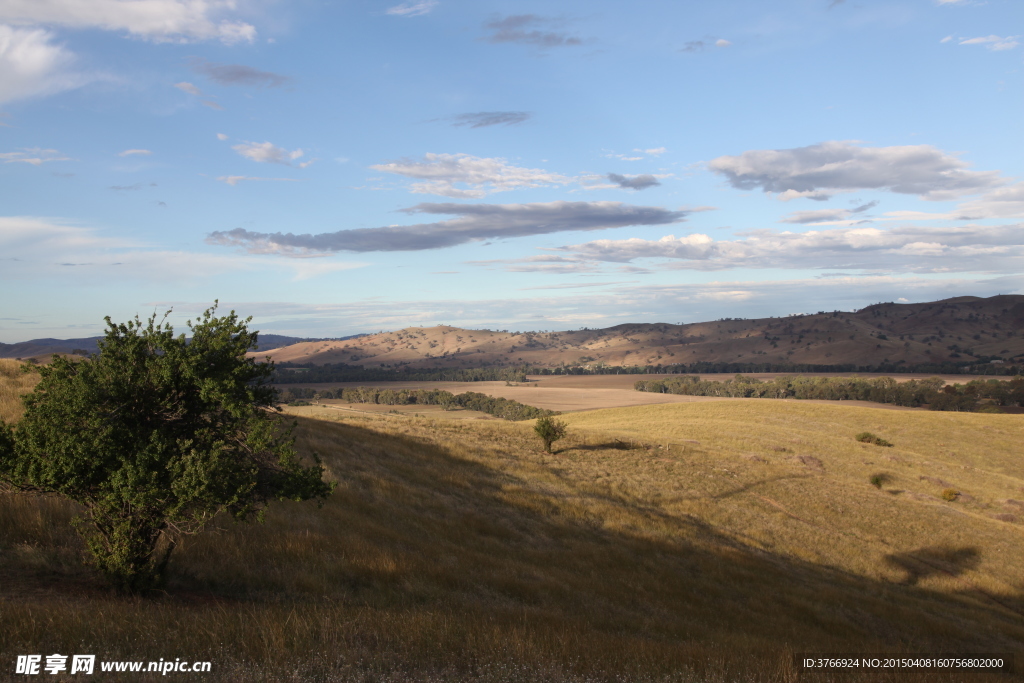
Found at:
[550, 430]
[950, 495]
[868, 437]
[878, 480]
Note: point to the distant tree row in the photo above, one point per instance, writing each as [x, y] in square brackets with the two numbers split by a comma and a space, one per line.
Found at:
[343, 372]
[913, 393]
[504, 408]
[708, 368]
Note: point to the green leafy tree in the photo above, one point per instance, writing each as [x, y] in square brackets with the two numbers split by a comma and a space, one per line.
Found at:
[154, 436]
[549, 430]
[6, 445]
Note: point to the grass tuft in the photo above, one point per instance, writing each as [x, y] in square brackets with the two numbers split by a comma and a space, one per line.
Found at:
[868, 437]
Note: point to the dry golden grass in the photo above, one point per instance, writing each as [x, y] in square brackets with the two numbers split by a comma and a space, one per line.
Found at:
[13, 385]
[459, 550]
[790, 478]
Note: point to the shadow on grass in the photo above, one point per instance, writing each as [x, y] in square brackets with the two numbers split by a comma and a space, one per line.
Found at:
[935, 560]
[613, 445]
[490, 554]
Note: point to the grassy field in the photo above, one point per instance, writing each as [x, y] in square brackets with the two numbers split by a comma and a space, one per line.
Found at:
[680, 542]
[13, 383]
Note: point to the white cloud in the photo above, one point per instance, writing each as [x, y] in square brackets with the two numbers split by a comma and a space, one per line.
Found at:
[41, 235]
[132, 152]
[654, 152]
[268, 153]
[829, 216]
[238, 74]
[39, 248]
[32, 155]
[972, 248]
[442, 172]
[946, 39]
[235, 179]
[412, 9]
[473, 223]
[1003, 202]
[638, 182]
[691, 302]
[530, 29]
[994, 43]
[185, 86]
[32, 66]
[821, 170]
[820, 216]
[704, 44]
[156, 20]
[222, 137]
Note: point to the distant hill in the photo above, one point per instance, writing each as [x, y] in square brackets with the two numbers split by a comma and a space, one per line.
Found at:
[43, 348]
[959, 330]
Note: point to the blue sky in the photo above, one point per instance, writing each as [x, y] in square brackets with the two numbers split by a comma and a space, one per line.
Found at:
[352, 166]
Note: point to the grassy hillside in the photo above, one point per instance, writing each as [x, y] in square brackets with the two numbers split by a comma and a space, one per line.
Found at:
[13, 384]
[792, 479]
[954, 330]
[690, 542]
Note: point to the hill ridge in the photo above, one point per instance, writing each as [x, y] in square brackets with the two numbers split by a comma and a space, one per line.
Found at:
[955, 330]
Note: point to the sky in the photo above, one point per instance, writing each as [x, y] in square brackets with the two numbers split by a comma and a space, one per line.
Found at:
[332, 167]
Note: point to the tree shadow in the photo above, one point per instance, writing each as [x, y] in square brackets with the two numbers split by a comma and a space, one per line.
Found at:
[934, 561]
[613, 445]
[756, 484]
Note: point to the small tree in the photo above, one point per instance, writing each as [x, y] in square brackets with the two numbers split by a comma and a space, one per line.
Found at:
[154, 436]
[550, 430]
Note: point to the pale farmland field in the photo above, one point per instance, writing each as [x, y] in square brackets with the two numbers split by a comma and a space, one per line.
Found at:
[587, 392]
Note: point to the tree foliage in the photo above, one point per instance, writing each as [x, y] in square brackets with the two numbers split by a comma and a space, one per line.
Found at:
[549, 430]
[154, 436]
[505, 408]
[6, 444]
[914, 392]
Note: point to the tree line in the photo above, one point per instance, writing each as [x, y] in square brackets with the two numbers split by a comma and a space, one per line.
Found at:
[343, 372]
[711, 368]
[505, 408]
[912, 393]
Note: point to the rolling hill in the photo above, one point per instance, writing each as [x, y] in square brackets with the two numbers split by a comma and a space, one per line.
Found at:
[962, 329]
[42, 349]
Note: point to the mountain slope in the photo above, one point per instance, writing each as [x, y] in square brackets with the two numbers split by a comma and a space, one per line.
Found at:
[954, 330]
[46, 347]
